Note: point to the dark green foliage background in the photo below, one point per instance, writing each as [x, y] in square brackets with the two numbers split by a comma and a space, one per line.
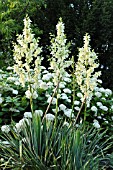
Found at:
[80, 16]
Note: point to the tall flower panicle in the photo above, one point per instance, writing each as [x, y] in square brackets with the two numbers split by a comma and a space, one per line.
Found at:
[60, 53]
[27, 55]
[28, 61]
[86, 76]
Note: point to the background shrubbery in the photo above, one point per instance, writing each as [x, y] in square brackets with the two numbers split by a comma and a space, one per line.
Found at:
[94, 17]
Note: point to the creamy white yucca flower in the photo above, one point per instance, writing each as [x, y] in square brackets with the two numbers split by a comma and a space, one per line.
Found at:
[27, 49]
[86, 77]
[60, 54]
[60, 29]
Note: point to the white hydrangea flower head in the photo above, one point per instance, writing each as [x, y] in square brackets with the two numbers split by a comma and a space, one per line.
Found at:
[99, 104]
[28, 94]
[38, 113]
[104, 108]
[64, 96]
[94, 109]
[80, 95]
[28, 115]
[62, 85]
[99, 117]
[43, 85]
[96, 124]
[23, 122]
[85, 66]
[47, 76]
[5, 128]
[34, 95]
[62, 107]
[102, 90]
[68, 100]
[112, 107]
[106, 121]
[98, 94]
[15, 91]
[1, 100]
[76, 102]
[66, 90]
[14, 110]
[77, 108]
[54, 110]
[50, 117]
[67, 79]
[53, 100]
[108, 92]
[68, 113]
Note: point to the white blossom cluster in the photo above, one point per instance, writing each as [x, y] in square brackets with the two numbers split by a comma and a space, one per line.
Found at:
[86, 76]
[27, 55]
[1, 99]
[60, 54]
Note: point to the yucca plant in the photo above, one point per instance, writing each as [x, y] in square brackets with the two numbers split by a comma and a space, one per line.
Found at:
[37, 146]
[48, 145]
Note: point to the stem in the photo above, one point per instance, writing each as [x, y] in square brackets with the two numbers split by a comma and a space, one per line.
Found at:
[85, 113]
[57, 103]
[31, 105]
[73, 84]
[80, 109]
[30, 88]
[56, 108]
[51, 99]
